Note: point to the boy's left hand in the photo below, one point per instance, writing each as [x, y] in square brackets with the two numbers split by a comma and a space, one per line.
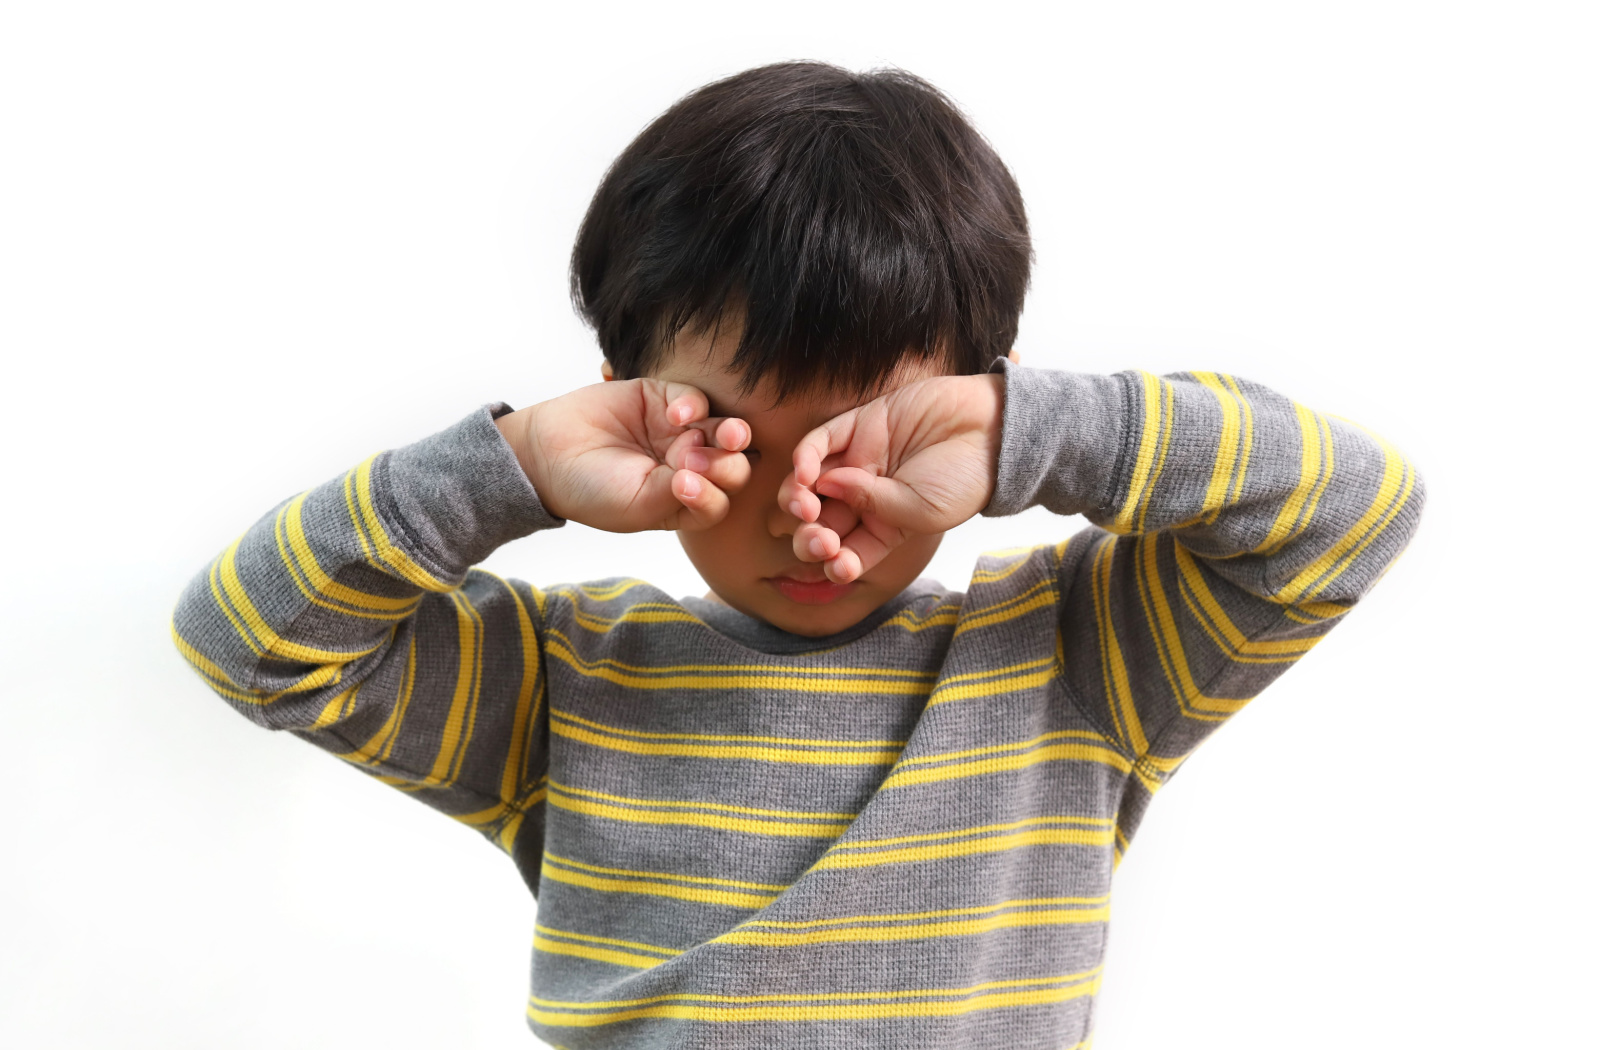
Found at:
[920, 459]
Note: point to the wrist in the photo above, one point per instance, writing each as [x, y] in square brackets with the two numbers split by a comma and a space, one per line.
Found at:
[518, 430]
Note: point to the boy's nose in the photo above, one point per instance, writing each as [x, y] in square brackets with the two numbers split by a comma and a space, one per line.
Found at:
[836, 515]
[780, 522]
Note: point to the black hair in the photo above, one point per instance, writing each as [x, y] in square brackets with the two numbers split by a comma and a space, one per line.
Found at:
[851, 220]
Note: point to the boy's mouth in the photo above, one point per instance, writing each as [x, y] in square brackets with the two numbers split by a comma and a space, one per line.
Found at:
[810, 592]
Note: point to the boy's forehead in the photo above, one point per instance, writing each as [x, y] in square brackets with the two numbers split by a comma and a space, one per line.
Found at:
[704, 360]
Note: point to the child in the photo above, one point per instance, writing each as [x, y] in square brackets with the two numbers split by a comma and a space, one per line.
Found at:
[831, 803]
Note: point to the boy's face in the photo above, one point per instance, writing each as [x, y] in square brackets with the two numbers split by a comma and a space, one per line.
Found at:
[748, 557]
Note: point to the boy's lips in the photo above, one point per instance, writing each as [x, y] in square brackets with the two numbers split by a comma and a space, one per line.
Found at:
[816, 591]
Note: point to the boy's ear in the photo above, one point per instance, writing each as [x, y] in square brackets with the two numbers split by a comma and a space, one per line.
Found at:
[1014, 357]
[606, 372]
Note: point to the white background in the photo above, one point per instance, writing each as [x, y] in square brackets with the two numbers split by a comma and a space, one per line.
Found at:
[244, 246]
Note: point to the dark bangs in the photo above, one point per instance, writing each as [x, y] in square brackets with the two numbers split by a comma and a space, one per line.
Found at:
[850, 219]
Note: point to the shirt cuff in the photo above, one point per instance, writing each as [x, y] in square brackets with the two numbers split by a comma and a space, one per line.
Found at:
[1063, 442]
[455, 496]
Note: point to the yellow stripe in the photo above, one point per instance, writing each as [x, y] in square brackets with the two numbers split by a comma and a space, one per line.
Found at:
[593, 939]
[1119, 691]
[507, 837]
[1310, 513]
[702, 820]
[482, 817]
[294, 550]
[961, 687]
[659, 889]
[1315, 612]
[1010, 763]
[644, 612]
[601, 594]
[677, 812]
[617, 880]
[1310, 474]
[1192, 702]
[950, 922]
[956, 833]
[316, 678]
[728, 738]
[700, 880]
[752, 753]
[1038, 596]
[1227, 446]
[357, 525]
[1393, 491]
[1058, 989]
[938, 616]
[530, 697]
[797, 669]
[1020, 556]
[384, 549]
[704, 997]
[835, 859]
[1246, 441]
[1232, 639]
[215, 676]
[1143, 459]
[560, 647]
[949, 928]
[990, 749]
[689, 804]
[610, 955]
[378, 746]
[333, 710]
[252, 626]
[1168, 415]
[463, 701]
[979, 909]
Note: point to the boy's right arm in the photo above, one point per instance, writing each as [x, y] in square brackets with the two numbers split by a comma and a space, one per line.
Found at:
[351, 615]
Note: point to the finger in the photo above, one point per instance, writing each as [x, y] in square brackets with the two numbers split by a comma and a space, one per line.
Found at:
[861, 551]
[813, 542]
[819, 540]
[838, 516]
[703, 503]
[843, 568]
[727, 470]
[685, 404]
[798, 501]
[832, 436]
[680, 446]
[866, 493]
[723, 432]
[731, 433]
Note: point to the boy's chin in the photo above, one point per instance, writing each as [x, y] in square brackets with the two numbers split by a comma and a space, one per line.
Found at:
[801, 614]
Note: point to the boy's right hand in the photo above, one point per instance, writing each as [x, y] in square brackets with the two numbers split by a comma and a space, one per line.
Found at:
[630, 455]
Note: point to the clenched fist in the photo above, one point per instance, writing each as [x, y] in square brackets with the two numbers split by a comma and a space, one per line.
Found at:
[631, 455]
[920, 459]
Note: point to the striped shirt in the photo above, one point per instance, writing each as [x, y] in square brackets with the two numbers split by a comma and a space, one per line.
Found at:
[902, 835]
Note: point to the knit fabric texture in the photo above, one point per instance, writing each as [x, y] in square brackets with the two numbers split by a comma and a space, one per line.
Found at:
[899, 836]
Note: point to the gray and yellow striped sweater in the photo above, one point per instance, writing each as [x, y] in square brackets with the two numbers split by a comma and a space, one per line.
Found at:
[899, 836]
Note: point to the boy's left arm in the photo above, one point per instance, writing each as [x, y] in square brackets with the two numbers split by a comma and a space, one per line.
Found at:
[1235, 528]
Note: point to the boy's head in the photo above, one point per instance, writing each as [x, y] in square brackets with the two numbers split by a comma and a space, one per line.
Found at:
[795, 240]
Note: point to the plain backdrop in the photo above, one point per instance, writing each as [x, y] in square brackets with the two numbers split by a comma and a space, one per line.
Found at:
[243, 246]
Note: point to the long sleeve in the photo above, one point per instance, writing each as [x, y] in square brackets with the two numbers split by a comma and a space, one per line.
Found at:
[1234, 528]
[350, 616]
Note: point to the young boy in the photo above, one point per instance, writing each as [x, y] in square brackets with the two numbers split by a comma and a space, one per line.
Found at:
[830, 803]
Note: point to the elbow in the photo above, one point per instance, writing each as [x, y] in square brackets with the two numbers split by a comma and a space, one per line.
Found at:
[1386, 538]
[208, 643]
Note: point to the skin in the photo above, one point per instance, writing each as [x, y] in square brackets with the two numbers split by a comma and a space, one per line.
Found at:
[809, 514]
